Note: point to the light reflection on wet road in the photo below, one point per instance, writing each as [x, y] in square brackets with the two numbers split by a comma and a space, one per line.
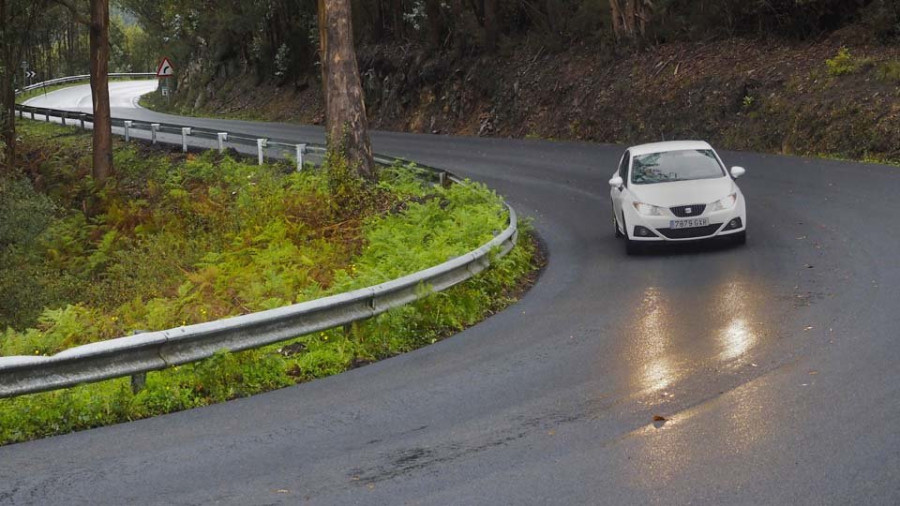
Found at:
[675, 333]
[666, 345]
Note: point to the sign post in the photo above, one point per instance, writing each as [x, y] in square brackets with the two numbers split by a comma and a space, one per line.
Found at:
[164, 72]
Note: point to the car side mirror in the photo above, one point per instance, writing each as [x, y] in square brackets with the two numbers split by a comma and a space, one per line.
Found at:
[737, 172]
[616, 182]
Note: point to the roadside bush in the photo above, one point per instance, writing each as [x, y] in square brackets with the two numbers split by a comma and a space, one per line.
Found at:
[24, 215]
[844, 63]
[888, 72]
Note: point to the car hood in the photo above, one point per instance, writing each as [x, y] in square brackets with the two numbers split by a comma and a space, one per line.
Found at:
[682, 193]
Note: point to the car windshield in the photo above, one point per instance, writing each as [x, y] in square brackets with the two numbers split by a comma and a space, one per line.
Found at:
[669, 166]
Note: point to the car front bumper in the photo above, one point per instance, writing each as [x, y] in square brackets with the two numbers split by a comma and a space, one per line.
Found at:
[657, 228]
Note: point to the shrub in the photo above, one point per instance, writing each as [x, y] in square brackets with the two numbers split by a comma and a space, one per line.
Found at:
[844, 63]
[888, 72]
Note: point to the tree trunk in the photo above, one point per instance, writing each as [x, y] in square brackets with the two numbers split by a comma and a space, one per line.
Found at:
[490, 25]
[323, 47]
[7, 90]
[397, 24]
[629, 17]
[630, 13]
[435, 22]
[346, 125]
[103, 162]
[377, 21]
[643, 14]
[8, 116]
[616, 14]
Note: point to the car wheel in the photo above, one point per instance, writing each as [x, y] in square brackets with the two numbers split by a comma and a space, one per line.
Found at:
[618, 233]
[631, 247]
[740, 238]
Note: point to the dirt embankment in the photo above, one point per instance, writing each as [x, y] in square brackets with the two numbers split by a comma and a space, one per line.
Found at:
[739, 94]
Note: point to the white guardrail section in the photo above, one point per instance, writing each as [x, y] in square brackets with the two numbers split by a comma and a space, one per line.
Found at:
[85, 77]
[135, 355]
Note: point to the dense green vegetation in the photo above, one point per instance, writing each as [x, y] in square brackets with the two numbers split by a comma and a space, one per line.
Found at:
[176, 240]
[57, 45]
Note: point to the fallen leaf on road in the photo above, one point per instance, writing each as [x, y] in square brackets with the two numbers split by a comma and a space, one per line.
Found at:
[657, 418]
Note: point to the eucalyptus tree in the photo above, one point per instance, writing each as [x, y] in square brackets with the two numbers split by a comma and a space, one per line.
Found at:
[346, 125]
[16, 20]
[97, 21]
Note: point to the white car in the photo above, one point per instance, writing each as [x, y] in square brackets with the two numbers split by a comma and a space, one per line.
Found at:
[676, 191]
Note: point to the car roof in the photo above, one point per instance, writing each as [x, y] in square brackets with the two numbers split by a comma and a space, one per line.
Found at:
[661, 147]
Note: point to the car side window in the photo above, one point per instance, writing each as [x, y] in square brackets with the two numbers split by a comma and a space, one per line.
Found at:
[623, 167]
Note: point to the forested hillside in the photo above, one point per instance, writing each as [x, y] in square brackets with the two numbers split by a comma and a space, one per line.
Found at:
[277, 40]
[57, 45]
[797, 76]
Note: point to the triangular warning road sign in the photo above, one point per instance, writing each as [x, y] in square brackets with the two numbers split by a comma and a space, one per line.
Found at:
[165, 69]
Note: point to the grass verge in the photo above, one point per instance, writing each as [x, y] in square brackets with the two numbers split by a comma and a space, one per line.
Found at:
[182, 239]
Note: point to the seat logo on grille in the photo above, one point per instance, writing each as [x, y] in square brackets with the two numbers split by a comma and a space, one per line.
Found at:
[688, 210]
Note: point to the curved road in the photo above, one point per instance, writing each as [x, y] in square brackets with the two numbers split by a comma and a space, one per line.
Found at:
[776, 365]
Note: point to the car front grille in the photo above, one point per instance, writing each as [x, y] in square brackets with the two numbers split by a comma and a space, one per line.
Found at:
[688, 211]
[687, 233]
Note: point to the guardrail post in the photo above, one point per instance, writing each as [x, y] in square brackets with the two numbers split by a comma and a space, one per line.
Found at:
[47, 115]
[128, 130]
[63, 117]
[260, 148]
[139, 379]
[81, 118]
[138, 382]
[154, 127]
[20, 114]
[442, 178]
[185, 131]
[301, 148]
[32, 115]
[223, 136]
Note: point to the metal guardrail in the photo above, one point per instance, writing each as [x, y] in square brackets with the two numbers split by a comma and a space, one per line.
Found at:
[75, 79]
[138, 354]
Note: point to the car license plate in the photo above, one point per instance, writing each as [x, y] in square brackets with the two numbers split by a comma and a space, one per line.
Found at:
[690, 223]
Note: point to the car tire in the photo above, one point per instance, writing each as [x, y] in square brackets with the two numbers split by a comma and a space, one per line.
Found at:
[631, 247]
[740, 238]
[618, 233]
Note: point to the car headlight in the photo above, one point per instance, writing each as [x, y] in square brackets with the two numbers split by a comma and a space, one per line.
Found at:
[724, 204]
[648, 210]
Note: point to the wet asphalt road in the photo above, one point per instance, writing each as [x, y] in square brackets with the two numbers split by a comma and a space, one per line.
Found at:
[777, 365]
